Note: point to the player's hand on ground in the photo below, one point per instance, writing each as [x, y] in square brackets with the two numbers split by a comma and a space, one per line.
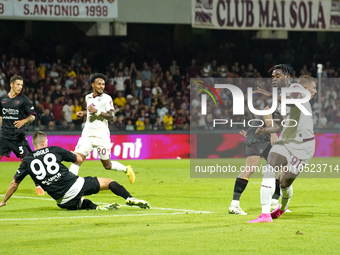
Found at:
[273, 139]
[2, 204]
[91, 109]
[80, 114]
[259, 131]
[262, 91]
[19, 123]
[243, 133]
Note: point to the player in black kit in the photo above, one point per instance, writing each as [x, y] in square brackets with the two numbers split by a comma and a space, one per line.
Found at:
[45, 167]
[16, 112]
[259, 146]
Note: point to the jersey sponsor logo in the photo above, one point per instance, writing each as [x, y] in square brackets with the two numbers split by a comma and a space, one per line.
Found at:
[10, 111]
[17, 102]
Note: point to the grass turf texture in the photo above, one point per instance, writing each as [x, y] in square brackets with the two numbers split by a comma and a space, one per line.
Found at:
[35, 225]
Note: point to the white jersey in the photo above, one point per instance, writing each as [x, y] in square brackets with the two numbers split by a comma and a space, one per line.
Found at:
[304, 128]
[97, 126]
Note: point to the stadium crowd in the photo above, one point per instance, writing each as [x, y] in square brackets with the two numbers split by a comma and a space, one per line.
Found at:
[147, 97]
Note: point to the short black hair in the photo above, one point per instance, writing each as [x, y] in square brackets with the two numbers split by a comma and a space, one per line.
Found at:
[98, 75]
[15, 77]
[286, 69]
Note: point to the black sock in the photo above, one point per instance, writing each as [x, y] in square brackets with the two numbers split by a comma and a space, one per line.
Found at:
[119, 190]
[277, 190]
[240, 186]
[88, 204]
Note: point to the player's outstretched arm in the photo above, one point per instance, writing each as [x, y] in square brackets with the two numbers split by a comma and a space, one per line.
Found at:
[0, 121]
[12, 188]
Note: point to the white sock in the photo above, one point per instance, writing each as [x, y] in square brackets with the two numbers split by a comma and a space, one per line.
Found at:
[74, 168]
[235, 202]
[118, 166]
[267, 188]
[286, 194]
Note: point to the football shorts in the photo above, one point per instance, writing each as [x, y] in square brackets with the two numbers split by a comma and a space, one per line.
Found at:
[88, 143]
[297, 154]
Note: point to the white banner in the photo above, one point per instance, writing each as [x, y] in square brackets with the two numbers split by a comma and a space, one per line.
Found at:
[299, 15]
[63, 10]
[6, 8]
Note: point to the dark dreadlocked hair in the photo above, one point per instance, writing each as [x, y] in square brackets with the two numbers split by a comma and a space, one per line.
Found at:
[286, 69]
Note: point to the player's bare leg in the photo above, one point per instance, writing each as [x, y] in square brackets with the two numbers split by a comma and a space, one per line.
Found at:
[119, 190]
[241, 184]
[115, 165]
[275, 161]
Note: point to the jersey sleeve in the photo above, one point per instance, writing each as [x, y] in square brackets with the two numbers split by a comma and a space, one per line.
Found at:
[109, 104]
[66, 155]
[22, 172]
[28, 106]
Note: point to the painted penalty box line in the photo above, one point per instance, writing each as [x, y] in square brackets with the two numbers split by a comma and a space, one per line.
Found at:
[156, 208]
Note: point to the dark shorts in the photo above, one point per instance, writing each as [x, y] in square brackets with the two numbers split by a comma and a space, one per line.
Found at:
[258, 149]
[20, 147]
[91, 186]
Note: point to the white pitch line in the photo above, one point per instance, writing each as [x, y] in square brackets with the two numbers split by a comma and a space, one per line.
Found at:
[157, 208]
[92, 216]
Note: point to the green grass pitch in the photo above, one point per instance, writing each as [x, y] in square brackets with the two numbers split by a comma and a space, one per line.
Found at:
[188, 216]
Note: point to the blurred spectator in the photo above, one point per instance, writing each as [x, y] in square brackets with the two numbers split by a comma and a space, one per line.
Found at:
[42, 72]
[148, 125]
[33, 84]
[147, 93]
[173, 67]
[323, 120]
[140, 124]
[53, 73]
[119, 123]
[2, 78]
[177, 80]
[168, 121]
[85, 68]
[179, 122]
[153, 115]
[129, 126]
[178, 101]
[138, 85]
[69, 83]
[158, 125]
[145, 73]
[46, 120]
[192, 71]
[2, 89]
[57, 112]
[156, 90]
[76, 108]
[67, 111]
[120, 82]
[119, 100]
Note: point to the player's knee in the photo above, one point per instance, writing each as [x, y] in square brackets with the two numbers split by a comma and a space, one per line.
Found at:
[107, 166]
[284, 184]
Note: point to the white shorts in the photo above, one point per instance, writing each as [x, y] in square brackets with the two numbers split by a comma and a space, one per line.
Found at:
[87, 143]
[297, 153]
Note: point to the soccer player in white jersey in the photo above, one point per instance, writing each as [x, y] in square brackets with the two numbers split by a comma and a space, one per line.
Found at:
[293, 149]
[96, 133]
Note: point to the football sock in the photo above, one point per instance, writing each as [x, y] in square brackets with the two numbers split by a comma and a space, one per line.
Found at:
[119, 190]
[74, 168]
[240, 186]
[286, 194]
[276, 195]
[267, 188]
[88, 204]
[117, 166]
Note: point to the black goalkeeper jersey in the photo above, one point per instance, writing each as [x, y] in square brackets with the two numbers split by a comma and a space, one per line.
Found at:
[13, 109]
[46, 169]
